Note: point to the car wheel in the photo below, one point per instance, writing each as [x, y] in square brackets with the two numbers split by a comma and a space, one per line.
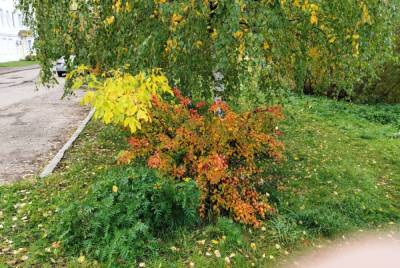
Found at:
[60, 74]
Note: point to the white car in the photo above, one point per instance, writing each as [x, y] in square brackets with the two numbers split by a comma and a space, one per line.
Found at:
[61, 65]
[61, 68]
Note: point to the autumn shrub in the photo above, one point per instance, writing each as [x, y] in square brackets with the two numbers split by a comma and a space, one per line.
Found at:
[214, 146]
[125, 213]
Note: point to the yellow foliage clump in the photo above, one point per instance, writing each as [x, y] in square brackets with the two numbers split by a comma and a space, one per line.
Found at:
[122, 98]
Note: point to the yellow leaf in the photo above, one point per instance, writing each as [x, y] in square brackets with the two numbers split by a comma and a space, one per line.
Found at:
[81, 259]
[108, 117]
[199, 44]
[82, 68]
[128, 7]
[114, 189]
[238, 35]
[201, 242]
[366, 18]
[266, 45]
[314, 7]
[133, 125]
[214, 35]
[131, 110]
[109, 20]
[314, 19]
[313, 52]
[217, 253]
[142, 115]
[88, 98]
[78, 82]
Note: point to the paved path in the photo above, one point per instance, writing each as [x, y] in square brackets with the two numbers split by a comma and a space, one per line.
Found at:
[373, 250]
[34, 124]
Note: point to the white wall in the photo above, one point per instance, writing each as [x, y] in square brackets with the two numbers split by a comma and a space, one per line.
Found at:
[12, 47]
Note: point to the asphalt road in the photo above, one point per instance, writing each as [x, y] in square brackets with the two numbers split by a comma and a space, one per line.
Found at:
[34, 123]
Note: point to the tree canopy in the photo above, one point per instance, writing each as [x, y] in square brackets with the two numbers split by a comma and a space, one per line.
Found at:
[259, 46]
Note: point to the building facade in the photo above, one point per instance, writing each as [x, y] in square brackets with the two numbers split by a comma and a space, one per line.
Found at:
[16, 41]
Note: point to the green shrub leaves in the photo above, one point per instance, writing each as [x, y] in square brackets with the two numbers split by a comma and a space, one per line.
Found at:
[125, 212]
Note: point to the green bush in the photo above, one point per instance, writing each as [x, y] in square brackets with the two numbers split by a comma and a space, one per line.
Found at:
[124, 213]
[387, 88]
[385, 115]
[30, 57]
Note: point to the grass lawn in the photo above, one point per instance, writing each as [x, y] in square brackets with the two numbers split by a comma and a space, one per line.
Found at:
[20, 63]
[341, 175]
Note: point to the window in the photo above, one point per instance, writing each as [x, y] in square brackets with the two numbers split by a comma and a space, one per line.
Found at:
[13, 19]
[8, 18]
[1, 17]
[20, 20]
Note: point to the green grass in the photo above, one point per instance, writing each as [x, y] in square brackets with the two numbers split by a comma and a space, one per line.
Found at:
[20, 63]
[341, 174]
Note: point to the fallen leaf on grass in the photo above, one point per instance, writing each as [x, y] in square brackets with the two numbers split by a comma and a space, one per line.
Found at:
[201, 242]
[81, 259]
[217, 253]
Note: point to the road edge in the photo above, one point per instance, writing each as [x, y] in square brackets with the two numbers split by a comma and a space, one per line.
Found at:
[52, 165]
[19, 69]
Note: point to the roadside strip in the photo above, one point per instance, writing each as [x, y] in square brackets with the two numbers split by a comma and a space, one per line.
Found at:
[57, 158]
[8, 70]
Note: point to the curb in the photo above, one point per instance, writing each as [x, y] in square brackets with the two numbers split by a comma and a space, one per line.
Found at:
[57, 158]
[19, 69]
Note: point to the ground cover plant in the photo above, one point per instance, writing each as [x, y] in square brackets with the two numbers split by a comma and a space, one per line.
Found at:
[124, 214]
[341, 174]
